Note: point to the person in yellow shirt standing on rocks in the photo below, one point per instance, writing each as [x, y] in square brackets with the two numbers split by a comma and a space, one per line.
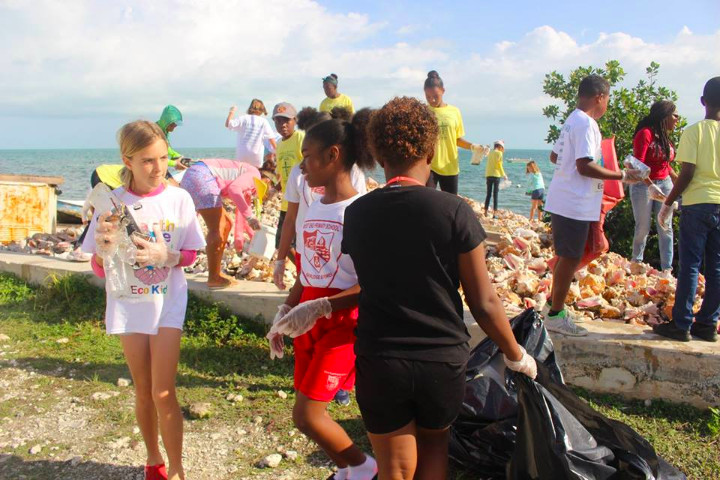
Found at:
[333, 98]
[288, 154]
[445, 164]
[494, 172]
[699, 185]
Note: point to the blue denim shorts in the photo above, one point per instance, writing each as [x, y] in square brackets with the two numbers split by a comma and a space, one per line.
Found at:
[538, 194]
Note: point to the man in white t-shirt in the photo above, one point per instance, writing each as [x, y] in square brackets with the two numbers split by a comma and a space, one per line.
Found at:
[253, 130]
[575, 194]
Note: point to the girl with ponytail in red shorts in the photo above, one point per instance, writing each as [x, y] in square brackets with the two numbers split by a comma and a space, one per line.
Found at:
[320, 312]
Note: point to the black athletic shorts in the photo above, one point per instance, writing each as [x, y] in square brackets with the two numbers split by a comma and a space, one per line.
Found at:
[392, 392]
[569, 236]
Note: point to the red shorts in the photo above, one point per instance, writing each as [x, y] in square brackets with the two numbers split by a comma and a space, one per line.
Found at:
[325, 356]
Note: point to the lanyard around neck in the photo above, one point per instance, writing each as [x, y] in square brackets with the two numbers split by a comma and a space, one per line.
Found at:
[401, 178]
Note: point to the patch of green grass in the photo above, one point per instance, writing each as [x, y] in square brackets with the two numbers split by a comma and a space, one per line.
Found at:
[221, 353]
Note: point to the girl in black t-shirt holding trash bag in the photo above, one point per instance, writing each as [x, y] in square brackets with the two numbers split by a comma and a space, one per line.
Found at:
[412, 248]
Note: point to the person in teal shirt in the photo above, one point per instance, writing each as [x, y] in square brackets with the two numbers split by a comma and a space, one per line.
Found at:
[535, 188]
[169, 119]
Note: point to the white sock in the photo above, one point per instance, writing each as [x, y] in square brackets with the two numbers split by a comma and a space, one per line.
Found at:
[364, 471]
[342, 473]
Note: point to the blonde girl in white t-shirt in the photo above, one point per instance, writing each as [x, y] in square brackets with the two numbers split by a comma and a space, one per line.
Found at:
[146, 290]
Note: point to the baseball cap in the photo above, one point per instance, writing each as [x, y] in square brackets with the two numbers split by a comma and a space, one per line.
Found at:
[499, 142]
[284, 109]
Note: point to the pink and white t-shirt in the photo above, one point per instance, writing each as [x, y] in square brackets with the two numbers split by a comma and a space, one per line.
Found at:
[298, 191]
[155, 297]
[323, 265]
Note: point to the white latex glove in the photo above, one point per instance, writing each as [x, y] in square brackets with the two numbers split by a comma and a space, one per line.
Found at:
[107, 236]
[276, 339]
[664, 218]
[303, 317]
[279, 274]
[157, 253]
[654, 193]
[254, 223]
[632, 176]
[525, 365]
[87, 210]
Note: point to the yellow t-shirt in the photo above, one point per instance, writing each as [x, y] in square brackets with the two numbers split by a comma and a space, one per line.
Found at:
[110, 174]
[288, 154]
[341, 101]
[494, 166]
[700, 146]
[445, 161]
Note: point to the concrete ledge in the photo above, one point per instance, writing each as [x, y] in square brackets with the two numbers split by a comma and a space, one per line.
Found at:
[614, 358]
[248, 299]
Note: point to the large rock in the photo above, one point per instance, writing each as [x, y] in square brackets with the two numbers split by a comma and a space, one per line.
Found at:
[200, 410]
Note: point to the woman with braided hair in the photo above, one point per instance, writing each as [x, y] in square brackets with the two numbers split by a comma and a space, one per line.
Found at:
[653, 147]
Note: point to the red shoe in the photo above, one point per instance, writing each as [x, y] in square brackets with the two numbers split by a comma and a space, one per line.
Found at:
[155, 472]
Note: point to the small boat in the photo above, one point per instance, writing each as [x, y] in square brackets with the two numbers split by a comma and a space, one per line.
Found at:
[519, 160]
[69, 211]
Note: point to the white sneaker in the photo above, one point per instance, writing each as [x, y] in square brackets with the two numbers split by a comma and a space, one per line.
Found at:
[563, 323]
[546, 311]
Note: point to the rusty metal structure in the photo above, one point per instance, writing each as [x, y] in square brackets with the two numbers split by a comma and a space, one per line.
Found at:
[28, 205]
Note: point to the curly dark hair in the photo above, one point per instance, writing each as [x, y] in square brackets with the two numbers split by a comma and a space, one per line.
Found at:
[403, 131]
[341, 113]
[309, 116]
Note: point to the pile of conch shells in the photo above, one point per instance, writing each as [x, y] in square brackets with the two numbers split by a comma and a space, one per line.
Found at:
[57, 245]
[609, 288]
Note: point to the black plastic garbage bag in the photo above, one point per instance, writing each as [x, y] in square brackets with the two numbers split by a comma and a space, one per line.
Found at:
[552, 434]
[483, 436]
[559, 436]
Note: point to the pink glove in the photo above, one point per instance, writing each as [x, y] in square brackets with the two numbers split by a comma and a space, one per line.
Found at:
[303, 317]
[525, 365]
[157, 253]
[279, 274]
[276, 339]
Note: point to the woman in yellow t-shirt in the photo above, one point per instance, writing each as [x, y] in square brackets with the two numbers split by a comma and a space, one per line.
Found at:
[494, 172]
[333, 98]
[445, 165]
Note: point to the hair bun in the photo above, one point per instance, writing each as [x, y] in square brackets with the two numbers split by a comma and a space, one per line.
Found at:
[433, 74]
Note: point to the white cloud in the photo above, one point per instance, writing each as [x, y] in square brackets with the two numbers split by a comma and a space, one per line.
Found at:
[94, 58]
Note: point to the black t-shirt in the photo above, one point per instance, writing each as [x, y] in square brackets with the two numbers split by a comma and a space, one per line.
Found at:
[405, 242]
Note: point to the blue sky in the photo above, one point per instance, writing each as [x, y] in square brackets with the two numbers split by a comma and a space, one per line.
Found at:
[77, 70]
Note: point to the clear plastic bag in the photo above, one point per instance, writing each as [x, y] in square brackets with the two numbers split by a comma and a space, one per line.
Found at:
[478, 153]
[633, 163]
[505, 183]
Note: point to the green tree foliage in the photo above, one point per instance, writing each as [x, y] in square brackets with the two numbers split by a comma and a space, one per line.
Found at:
[625, 109]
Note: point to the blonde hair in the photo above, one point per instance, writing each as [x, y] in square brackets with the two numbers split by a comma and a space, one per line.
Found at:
[132, 138]
[532, 167]
[257, 107]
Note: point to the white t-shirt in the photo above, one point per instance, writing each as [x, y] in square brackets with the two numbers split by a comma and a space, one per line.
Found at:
[253, 131]
[570, 194]
[323, 265]
[298, 191]
[155, 297]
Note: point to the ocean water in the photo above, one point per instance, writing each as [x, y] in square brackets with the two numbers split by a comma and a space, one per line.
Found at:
[76, 166]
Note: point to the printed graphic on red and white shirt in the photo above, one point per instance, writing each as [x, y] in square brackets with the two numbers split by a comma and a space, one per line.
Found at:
[321, 251]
